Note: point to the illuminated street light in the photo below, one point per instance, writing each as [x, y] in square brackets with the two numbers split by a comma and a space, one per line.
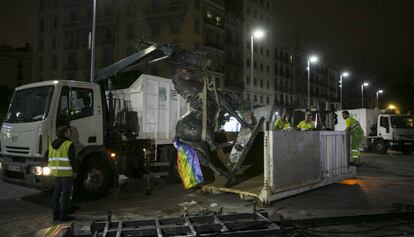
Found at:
[379, 92]
[341, 85]
[258, 34]
[392, 107]
[311, 59]
[365, 84]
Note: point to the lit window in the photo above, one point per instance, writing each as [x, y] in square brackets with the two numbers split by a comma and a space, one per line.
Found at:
[209, 15]
[218, 20]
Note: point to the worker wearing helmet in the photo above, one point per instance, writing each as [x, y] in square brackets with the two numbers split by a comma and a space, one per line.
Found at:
[282, 123]
[357, 134]
[306, 124]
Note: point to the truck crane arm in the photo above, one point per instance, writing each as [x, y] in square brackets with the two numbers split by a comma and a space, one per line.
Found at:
[152, 53]
[148, 53]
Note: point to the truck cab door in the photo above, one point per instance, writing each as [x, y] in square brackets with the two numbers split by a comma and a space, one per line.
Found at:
[383, 129]
[81, 108]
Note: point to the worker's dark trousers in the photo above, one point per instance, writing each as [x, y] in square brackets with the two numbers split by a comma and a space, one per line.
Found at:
[61, 196]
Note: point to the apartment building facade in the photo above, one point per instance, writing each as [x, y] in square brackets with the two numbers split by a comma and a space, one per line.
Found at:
[15, 66]
[286, 91]
[63, 31]
[259, 89]
[291, 80]
[221, 28]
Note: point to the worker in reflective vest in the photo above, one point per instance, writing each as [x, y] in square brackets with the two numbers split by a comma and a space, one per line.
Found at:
[282, 123]
[62, 165]
[357, 134]
[306, 124]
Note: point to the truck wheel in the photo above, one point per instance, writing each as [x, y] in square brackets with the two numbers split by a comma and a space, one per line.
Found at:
[370, 146]
[95, 178]
[380, 147]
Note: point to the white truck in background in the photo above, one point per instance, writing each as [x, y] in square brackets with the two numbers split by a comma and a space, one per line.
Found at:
[382, 131]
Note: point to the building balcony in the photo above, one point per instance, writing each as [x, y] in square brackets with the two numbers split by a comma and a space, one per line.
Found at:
[214, 45]
[106, 20]
[72, 3]
[110, 41]
[100, 20]
[71, 67]
[69, 23]
[166, 10]
[213, 24]
[234, 63]
[216, 71]
[235, 85]
[217, 3]
[71, 45]
[219, 69]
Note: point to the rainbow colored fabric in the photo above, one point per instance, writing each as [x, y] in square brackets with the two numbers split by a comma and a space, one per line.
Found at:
[188, 165]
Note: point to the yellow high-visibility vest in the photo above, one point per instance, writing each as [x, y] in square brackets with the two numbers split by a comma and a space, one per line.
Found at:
[280, 124]
[304, 125]
[59, 163]
[354, 125]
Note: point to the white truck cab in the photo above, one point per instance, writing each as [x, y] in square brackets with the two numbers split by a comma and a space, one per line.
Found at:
[35, 112]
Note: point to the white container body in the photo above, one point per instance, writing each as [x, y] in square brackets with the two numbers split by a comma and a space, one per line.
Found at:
[294, 162]
[158, 104]
[366, 118]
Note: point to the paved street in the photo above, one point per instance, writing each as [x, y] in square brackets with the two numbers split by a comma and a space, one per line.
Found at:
[383, 182]
[19, 215]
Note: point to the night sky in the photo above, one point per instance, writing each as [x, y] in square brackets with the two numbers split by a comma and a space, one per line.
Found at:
[362, 36]
[16, 22]
[358, 35]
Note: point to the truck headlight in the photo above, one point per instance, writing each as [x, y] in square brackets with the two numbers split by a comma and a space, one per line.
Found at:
[46, 171]
[37, 170]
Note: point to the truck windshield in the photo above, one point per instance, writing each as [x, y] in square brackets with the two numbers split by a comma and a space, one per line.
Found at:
[402, 121]
[29, 105]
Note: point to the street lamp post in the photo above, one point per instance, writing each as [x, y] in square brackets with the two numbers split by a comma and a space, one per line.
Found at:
[341, 84]
[379, 92]
[92, 42]
[365, 84]
[311, 59]
[258, 33]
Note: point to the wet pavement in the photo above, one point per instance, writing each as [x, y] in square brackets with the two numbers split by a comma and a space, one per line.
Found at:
[384, 182]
